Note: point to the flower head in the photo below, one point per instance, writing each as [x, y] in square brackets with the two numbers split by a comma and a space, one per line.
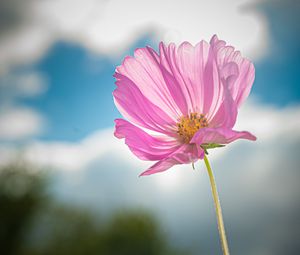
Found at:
[180, 101]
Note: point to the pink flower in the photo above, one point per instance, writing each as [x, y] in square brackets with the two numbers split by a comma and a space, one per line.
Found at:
[180, 101]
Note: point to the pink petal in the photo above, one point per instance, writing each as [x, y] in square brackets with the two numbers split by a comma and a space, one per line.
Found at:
[160, 166]
[176, 91]
[137, 108]
[196, 74]
[185, 154]
[144, 70]
[169, 61]
[143, 145]
[241, 85]
[220, 136]
[227, 112]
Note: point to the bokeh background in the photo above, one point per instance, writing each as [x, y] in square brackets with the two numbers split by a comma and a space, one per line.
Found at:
[67, 186]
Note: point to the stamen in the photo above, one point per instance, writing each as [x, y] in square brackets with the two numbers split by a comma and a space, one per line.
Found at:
[189, 125]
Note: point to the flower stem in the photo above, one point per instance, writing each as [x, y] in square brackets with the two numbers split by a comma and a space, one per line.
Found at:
[218, 208]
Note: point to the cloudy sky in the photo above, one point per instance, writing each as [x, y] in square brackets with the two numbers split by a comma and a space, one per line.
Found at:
[57, 59]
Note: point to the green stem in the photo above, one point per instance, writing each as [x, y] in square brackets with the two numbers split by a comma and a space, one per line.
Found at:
[218, 208]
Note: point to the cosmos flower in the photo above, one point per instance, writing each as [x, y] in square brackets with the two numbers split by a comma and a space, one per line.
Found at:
[181, 101]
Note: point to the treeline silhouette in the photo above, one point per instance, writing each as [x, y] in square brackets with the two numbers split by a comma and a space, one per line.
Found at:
[34, 223]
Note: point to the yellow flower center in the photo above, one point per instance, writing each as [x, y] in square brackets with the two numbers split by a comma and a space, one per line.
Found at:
[189, 125]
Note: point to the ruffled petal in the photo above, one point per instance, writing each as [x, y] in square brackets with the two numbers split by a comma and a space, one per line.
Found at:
[240, 84]
[137, 108]
[220, 136]
[196, 75]
[185, 154]
[145, 71]
[143, 145]
[226, 114]
[172, 63]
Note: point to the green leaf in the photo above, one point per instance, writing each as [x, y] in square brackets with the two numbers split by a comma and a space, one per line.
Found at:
[207, 146]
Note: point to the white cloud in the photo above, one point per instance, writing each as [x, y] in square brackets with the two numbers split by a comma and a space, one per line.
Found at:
[16, 121]
[7, 154]
[269, 121]
[266, 122]
[74, 156]
[30, 84]
[110, 26]
[22, 84]
[19, 123]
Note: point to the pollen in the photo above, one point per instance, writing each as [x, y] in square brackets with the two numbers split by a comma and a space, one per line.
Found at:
[189, 125]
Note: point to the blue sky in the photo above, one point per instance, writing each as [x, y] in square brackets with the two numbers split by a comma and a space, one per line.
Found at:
[81, 80]
[80, 83]
[79, 96]
[277, 74]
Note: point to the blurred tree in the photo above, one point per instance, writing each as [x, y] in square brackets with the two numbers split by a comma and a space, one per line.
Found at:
[21, 194]
[63, 230]
[69, 230]
[134, 234]
[32, 224]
